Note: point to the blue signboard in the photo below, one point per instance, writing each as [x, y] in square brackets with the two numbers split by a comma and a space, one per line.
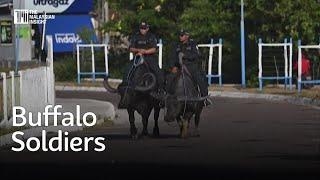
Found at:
[65, 31]
[60, 6]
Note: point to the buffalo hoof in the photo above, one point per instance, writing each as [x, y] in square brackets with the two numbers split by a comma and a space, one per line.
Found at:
[184, 130]
[134, 133]
[168, 120]
[144, 133]
[183, 136]
[156, 132]
[134, 137]
[196, 133]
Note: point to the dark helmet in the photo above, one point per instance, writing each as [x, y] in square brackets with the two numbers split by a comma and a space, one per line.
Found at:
[184, 32]
[144, 25]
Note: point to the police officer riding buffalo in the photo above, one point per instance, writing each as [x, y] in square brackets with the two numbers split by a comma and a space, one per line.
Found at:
[187, 87]
[145, 88]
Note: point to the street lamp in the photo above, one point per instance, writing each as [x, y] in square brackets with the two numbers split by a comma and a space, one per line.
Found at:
[243, 50]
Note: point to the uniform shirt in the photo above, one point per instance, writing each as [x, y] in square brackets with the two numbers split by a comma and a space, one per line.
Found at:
[190, 51]
[140, 41]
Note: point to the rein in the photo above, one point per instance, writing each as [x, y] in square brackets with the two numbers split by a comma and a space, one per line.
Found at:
[136, 63]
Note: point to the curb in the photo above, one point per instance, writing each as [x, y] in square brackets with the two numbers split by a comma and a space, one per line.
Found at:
[80, 88]
[271, 97]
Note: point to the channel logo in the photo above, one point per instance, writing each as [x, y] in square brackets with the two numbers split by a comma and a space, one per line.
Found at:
[21, 16]
[67, 38]
[27, 16]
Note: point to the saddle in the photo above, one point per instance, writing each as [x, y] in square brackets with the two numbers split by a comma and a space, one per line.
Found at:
[137, 61]
[185, 70]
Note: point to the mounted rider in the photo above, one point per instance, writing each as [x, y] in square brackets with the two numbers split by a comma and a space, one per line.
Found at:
[187, 50]
[144, 44]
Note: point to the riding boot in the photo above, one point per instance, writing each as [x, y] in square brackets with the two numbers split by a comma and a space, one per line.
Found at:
[207, 102]
[204, 93]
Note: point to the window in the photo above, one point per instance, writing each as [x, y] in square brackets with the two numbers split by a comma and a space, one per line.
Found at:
[6, 32]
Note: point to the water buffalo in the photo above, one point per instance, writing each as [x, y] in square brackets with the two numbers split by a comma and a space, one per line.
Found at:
[135, 96]
[183, 102]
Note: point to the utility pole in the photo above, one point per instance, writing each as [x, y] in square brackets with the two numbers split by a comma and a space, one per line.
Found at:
[106, 19]
[99, 17]
[243, 50]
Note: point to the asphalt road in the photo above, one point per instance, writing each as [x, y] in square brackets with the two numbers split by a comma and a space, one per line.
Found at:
[239, 137]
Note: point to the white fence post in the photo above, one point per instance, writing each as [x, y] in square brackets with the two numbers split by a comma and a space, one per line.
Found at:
[92, 63]
[4, 94]
[290, 64]
[13, 97]
[131, 56]
[106, 60]
[285, 53]
[78, 63]
[260, 64]
[160, 53]
[20, 84]
[299, 65]
[210, 63]
[50, 73]
[220, 62]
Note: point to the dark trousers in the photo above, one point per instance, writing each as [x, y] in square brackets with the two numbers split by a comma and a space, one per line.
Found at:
[154, 68]
[199, 77]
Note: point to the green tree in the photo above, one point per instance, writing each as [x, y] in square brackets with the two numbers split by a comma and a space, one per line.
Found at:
[274, 20]
[271, 20]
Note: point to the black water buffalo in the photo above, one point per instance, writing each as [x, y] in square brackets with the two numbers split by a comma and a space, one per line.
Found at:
[135, 96]
[183, 101]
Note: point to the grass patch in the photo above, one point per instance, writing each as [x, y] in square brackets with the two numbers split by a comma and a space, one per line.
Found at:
[5, 70]
[23, 66]
[82, 84]
[313, 93]
[65, 69]
[4, 131]
[85, 84]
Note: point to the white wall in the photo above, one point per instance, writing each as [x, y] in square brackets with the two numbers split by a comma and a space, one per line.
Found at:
[34, 91]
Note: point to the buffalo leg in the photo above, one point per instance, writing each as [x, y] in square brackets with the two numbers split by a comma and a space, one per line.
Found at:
[145, 117]
[196, 122]
[133, 129]
[184, 128]
[187, 119]
[156, 132]
[183, 124]
[197, 119]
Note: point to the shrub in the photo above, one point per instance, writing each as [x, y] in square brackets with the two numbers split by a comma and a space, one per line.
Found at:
[65, 69]
[253, 80]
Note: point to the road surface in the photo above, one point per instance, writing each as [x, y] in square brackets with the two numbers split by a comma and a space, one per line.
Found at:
[239, 137]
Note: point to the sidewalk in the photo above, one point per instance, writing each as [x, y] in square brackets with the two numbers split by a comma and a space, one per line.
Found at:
[309, 97]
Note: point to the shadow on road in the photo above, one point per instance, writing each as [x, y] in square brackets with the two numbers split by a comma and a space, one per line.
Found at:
[140, 137]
